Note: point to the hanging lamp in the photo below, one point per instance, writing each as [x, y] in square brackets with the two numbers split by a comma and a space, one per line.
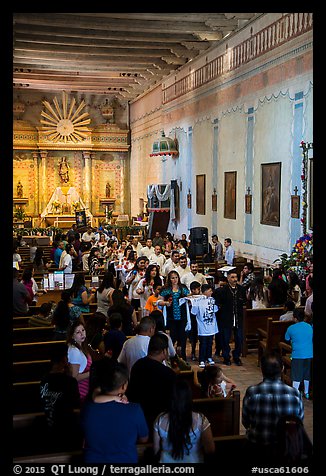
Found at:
[164, 146]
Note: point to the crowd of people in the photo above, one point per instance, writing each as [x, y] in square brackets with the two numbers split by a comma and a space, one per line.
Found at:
[151, 300]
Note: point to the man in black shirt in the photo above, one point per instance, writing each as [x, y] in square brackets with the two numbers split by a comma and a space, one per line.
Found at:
[230, 299]
[60, 397]
[151, 381]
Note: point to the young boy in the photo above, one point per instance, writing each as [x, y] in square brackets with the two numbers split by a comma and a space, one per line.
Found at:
[193, 333]
[204, 310]
[152, 303]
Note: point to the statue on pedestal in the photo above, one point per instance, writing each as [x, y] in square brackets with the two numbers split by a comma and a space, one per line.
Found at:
[108, 190]
[64, 170]
[20, 192]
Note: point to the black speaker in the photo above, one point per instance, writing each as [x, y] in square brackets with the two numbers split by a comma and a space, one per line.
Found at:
[198, 241]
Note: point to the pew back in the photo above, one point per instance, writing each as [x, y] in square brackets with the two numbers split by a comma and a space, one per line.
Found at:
[253, 319]
[222, 413]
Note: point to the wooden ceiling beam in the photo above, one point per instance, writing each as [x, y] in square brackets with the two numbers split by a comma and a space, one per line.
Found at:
[104, 50]
[125, 25]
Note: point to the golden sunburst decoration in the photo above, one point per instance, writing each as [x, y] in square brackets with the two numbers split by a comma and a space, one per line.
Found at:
[62, 124]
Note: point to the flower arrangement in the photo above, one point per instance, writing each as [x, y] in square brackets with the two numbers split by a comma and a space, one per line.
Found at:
[75, 205]
[302, 251]
[55, 205]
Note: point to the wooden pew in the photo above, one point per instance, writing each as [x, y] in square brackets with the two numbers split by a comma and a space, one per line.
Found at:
[33, 334]
[30, 370]
[188, 375]
[286, 351]
[33, 350]
[224, 445]
[20, 321]
[254, 319]
[222, 413]
[270, 338]
[25, 397]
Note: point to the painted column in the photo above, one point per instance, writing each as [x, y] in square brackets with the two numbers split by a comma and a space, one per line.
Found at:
[42, 179]
[249, 175]
[190, 185]
[87, 179]
[37, 210]
[121, 192]
[214, 176]
[296, 164]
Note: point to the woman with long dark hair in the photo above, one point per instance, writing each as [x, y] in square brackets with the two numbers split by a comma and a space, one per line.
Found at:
[173, 291]
[277, 289]
[104, 292]
[294, 291]
[132, 281]
[94, 264]
[81, 296]
[145, 286]
[79, 356]
[257, 293]
[182, 435]
[65, 313]
[128, 314]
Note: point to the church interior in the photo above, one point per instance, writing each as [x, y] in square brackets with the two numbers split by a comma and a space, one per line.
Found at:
[169, 122]
[232, 93]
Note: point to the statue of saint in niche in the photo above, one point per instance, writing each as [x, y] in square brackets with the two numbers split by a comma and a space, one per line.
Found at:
[108, 190]
[20, 192]
[64, 170]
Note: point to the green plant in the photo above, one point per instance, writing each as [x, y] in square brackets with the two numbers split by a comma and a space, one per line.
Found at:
[19, 214]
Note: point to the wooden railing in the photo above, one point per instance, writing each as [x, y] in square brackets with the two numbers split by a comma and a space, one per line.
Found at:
[274, 35]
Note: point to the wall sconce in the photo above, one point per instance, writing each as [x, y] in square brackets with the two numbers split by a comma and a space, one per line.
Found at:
[248, 201]
[214, 201]
[164, 146]
[189, 198]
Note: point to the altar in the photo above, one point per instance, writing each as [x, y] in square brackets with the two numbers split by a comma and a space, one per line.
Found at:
[61, 209]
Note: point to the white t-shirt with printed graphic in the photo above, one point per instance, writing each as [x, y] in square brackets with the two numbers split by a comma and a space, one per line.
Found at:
[204, 310]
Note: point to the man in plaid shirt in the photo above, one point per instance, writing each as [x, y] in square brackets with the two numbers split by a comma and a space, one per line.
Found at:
[265, 403]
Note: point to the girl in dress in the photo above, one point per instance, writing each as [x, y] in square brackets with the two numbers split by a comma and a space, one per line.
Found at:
[214, 383]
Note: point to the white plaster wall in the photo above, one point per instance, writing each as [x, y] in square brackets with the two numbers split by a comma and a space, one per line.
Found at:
[231, 157]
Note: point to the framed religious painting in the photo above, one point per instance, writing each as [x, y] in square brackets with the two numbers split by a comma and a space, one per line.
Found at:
[230, 195]
[248, 203]
[189, 199]
[200, 194]
[214, 201]
[295, 206]
[270, 193]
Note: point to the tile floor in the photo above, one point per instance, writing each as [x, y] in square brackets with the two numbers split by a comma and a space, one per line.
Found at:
[250, 374]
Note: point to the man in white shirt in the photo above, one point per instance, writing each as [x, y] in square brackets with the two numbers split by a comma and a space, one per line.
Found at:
[136, 246]
[88, 235]
[136, 347]
[67, 259]
[147, 250]
[193, 275]
[183, 267]
[229, 252]
[171, 263]
[157, 257]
